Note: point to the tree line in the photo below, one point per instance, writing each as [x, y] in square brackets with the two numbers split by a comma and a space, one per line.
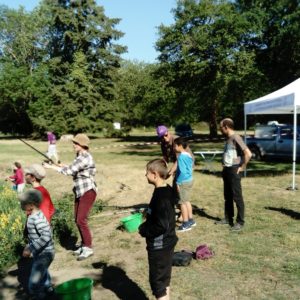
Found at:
[61, 67]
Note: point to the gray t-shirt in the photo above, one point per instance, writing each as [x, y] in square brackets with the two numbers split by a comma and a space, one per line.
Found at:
[233, 151]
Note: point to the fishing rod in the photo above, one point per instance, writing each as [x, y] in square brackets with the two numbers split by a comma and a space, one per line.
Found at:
[137, 207]
[41, 153]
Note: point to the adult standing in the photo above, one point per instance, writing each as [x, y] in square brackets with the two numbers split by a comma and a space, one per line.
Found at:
[82, 170]
[168, 147]
[52, 151]
[235, 158]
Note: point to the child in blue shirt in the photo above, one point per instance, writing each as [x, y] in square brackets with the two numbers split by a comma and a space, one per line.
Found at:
[184, 181]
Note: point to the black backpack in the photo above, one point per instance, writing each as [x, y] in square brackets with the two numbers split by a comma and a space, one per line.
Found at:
[182, 258]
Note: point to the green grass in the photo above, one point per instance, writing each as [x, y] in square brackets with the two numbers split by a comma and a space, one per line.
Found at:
[261, 262]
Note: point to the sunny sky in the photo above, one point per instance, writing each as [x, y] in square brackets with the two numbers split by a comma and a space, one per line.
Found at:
[140, 19]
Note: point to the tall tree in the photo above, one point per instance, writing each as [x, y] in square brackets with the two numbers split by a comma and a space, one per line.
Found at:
[83, 60]
[21, 51]
[204, 54]
[143, 97]
[278, 51]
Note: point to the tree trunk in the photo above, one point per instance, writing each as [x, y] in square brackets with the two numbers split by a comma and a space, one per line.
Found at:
[213, 127]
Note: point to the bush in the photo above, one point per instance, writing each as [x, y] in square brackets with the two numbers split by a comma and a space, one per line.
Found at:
[12, 221]
[63, 224]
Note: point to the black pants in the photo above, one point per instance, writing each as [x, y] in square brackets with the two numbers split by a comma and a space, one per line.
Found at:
[233, 192]
[160, 269]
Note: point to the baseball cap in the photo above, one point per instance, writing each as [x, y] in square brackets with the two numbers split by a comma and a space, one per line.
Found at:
[161, 130]
[36, 170]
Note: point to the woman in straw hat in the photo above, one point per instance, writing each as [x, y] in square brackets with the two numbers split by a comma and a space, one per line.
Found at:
[83, 171]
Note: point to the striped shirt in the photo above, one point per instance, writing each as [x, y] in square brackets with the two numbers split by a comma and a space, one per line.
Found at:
[39, 234]
[83, 170]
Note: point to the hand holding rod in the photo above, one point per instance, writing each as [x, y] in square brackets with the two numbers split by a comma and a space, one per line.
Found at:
[36, 150]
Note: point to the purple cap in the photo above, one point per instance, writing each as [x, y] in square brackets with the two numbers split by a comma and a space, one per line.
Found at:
[161, 130]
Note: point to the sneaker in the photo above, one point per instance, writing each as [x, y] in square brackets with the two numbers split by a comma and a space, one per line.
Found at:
[237, 227]
[78, 251]
[192, 223]
[86, 252]
[222, 222]
[184, 227]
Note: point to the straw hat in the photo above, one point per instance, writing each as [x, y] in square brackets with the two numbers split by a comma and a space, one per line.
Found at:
[81, 139]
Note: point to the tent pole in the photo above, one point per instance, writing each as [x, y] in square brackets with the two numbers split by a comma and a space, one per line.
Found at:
[294, 145]
[245, 137]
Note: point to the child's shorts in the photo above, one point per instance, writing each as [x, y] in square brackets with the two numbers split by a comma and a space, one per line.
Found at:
[160, 269]
[185, 190]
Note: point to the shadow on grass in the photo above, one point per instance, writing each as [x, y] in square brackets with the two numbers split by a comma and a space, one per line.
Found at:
[115, 279]
[67, 239]
[198, 138]
[140, 153]
[136, 207]
[288, 212]
[22, 272]
[201, 212]
[250, 172]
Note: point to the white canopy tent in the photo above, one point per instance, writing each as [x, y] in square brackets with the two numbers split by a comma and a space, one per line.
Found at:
[283, 101]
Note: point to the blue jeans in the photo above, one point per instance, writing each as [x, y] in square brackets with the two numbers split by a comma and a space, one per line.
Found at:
[39, 279]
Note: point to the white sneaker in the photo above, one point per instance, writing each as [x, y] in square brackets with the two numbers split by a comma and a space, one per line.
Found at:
[86, 252]
[78, 251]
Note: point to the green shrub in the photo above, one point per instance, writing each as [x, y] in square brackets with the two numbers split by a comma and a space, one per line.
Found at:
[63, 224]
[12, 221]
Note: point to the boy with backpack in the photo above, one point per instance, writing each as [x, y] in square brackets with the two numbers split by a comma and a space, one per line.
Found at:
[159, 229]
[184, 181]
[40, 246]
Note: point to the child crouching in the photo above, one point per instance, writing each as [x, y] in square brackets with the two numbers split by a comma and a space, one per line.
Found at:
[40, 246]
[159, 229]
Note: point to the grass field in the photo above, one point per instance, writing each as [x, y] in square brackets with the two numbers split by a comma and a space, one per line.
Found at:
[261, 262]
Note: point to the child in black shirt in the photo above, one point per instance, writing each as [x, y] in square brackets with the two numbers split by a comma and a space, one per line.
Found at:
[159, 229]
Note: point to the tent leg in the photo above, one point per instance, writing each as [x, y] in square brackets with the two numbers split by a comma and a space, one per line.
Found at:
[245, 139]
[293, 187]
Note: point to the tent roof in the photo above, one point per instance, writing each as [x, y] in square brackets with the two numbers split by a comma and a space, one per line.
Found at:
[281, 101]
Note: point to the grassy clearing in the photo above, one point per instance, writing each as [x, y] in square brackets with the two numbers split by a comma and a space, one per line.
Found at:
[261, 262]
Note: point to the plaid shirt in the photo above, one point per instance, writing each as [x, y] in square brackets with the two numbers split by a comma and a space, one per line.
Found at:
[83, 170]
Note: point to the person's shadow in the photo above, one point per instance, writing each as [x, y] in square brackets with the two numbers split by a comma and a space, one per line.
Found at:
[201, 212]
[288, 212]
[22, 273]
[115, 279]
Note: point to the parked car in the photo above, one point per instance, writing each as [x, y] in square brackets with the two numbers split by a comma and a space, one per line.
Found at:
[275, 140]
[184, 130]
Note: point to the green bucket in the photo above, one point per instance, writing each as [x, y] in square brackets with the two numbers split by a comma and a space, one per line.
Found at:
[132, 222]
[76, 289]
